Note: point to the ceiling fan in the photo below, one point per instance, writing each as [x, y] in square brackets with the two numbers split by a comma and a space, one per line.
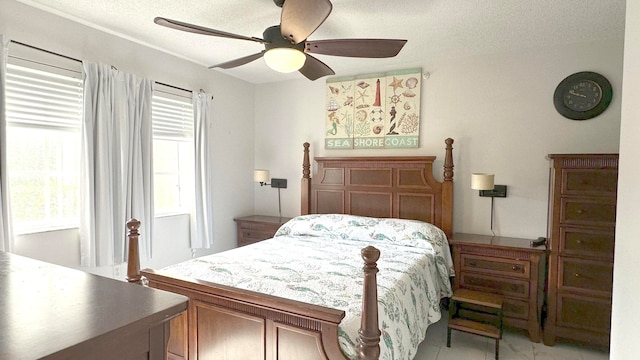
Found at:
[298, 20]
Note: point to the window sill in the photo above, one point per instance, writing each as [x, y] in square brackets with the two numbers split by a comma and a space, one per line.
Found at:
[170, 214]
[43, 230]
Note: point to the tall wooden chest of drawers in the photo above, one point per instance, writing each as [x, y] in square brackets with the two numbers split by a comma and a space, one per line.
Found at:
[582, 216]
[505, 266]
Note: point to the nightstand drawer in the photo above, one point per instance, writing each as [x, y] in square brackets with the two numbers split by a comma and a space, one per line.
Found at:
[498, 266]
[257, 230]
[516, 308]
[242, 241]
[496, 285]
[252, 229]
[257, 234]
[585, 275]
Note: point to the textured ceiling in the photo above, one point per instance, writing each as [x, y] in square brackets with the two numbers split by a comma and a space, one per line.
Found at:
[435, 29]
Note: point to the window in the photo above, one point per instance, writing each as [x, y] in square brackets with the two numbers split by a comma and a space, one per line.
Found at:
[44, 114]
[173, 152]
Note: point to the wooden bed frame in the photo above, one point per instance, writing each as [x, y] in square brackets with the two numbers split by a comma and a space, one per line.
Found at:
[223, 322]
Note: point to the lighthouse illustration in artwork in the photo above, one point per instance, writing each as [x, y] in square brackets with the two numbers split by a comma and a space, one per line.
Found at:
[377, 114]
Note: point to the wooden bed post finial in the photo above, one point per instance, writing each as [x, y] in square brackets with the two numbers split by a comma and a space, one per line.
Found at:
[448, 160]
[447, 189]
[306, 164]
[133, 259]
[368, 346]
[305, 182]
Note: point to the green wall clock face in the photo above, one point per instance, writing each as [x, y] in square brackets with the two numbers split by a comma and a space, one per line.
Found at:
[583, 95]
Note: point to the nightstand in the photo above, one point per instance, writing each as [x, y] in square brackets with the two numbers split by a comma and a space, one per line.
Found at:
[506, 266]
[254, 228]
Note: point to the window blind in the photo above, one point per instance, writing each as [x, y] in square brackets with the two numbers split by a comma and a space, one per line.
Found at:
[36, 98]
[172, 119]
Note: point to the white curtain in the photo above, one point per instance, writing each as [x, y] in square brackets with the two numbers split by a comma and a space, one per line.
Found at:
[138, 154]
[6, 236]
[202, 236]
[116, 164]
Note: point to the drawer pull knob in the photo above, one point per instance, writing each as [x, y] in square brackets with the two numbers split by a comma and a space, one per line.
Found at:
[515, 268]
[576, 275]
[473, 263]
[580, 211]
[578, 241]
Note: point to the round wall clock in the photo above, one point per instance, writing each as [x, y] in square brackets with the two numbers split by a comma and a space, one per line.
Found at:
[583, 95]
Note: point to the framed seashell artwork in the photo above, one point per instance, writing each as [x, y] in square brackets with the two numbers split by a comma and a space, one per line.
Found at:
[373, 111]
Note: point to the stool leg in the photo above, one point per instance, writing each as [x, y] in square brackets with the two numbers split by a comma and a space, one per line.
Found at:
[453, 305]
[497, 347]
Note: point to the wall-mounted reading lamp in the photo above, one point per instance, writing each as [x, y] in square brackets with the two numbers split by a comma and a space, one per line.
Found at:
[262, 177]
[484, 183]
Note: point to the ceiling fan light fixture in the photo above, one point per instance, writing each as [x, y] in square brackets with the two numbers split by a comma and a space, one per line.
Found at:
[284, 60]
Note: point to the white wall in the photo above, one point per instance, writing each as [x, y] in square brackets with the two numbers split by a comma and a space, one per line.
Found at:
[233, 116]
[626, 287]
[499, 110]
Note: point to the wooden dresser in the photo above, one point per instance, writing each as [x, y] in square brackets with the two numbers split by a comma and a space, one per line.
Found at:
[506, 266]
[53, 312]
[256, 228]
[582, 216]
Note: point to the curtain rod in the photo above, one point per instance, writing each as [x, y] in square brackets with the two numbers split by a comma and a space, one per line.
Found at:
[172, 86]
[74, 59]
[47, 51]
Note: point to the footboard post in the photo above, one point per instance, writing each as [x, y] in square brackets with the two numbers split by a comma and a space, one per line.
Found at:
[447, 189]
[133, 257]
[368, 346]
[306, 182]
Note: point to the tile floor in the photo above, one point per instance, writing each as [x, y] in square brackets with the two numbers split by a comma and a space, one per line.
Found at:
[514, 345]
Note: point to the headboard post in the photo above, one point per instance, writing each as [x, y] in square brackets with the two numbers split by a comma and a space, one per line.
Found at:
[306, 182]
[447, 189]
[368, 344]
[133, 260]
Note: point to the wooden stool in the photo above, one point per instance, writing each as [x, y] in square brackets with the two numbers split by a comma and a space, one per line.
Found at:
[491, 302]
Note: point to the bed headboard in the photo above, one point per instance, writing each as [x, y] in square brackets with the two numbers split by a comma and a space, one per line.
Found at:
[399, 187]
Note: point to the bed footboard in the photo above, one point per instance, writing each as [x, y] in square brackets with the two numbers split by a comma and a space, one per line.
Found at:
[223, 322]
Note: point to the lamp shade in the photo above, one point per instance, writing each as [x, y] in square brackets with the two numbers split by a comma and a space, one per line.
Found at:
[260, 175]
[481, 181]
[284, 60]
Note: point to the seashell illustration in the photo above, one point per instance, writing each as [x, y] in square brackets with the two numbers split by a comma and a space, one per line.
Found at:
[411, 82]
[377, 129]
[407, 106]
[408, 93]
[349, 101]
[334, 90]
[362, 85]
[361, 115]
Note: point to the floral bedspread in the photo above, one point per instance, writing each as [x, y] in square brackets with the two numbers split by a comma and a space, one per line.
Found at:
[325, 268]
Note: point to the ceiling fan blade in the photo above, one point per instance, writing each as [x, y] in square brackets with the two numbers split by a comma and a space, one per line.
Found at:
[314, 69]
[364, 48]
[300, 18]
[239, 61]
[179, 25]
